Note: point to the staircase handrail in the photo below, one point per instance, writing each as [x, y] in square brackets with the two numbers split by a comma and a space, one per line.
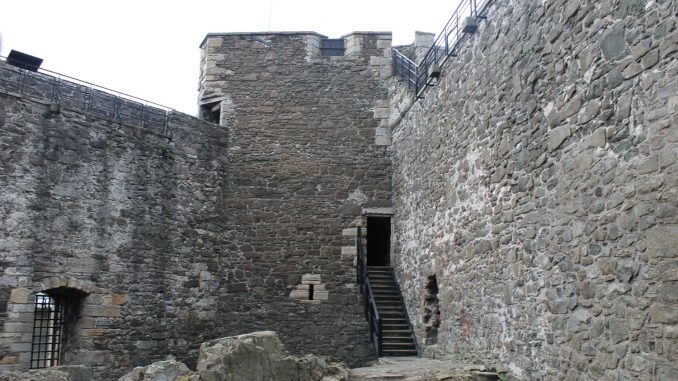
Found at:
[361, 258]
[374, 319]
[371, 310]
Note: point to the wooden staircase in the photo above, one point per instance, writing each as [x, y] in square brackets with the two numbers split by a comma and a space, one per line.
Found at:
[397, 337]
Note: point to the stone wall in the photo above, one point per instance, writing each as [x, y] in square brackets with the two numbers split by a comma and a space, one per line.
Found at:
[306, 156]
[116, 212]
[538, 182]
[180, 231]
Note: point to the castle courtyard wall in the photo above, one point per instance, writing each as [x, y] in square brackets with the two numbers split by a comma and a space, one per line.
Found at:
[306, 160]
[538, 181]
[116, 212]
[181, 231]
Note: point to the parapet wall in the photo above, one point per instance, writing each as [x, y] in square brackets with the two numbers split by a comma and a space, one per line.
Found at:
[538, 182]
[114, 211]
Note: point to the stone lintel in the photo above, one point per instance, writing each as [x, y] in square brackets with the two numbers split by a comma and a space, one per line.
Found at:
[382, 211]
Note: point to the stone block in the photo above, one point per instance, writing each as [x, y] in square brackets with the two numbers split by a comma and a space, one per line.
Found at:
[557, 136]
[14, 327]
[9, 360]
[310, 279]
[613, 44]
[382, 136]
[618, 330]
[662, 241]
[351, 232]
[320, 295]
[96, 332]
[20, 295]
[299, 294]
[20, 347]
[95, 357]
[597, 138]
[104, 311]
[663, 314]
[118, 299]
[349, 251]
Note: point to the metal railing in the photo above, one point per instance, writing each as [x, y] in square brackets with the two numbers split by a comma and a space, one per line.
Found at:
[74, 94]
[405, 68]
[444, 46]
[371, 310]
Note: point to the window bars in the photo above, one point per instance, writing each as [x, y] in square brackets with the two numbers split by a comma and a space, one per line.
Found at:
[48, 331]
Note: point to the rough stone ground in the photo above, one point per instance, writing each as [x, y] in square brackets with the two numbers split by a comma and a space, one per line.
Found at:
[421, 369]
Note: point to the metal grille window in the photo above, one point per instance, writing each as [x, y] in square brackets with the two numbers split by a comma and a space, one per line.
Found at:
[48, 331]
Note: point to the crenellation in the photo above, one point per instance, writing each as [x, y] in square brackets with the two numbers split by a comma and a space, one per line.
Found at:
[530, 196]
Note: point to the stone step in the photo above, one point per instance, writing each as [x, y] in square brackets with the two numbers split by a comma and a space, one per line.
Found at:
[385, 291]
[396, 347]
[397, 332]
[399, 352]
[389, 306]
[398, 340]
[397, 337]
[394, 324]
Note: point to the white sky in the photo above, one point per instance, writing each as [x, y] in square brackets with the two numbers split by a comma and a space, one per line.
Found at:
[149, 48]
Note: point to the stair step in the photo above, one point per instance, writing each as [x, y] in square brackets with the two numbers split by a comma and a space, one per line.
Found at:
[397, 338]
[395, 326]
[392, 330]
[399, 352]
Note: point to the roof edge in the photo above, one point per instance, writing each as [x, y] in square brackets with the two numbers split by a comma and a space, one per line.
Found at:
[289, 33]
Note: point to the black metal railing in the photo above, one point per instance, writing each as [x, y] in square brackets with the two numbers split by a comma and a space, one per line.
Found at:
[371, 310]
[74, 94]
[444, 46]
[405, 68]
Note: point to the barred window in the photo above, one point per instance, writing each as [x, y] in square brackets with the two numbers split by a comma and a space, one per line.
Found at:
[55, 315]
[48, 330]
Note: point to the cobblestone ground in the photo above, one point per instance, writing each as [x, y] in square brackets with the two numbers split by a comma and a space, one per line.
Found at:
[421, 369]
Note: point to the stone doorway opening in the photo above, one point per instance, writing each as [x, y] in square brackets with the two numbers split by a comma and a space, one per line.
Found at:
[378, 241]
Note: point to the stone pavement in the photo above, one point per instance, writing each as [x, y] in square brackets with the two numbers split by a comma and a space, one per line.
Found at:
[421, 369]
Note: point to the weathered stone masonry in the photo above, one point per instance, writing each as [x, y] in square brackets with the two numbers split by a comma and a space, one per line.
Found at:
[116, 212]
[201, 231]
[305, 158]
[538, 182]
[534, 188]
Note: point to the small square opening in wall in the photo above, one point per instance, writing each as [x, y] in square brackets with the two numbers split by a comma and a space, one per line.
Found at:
[330, 47]
[311, 290]
[211, 112]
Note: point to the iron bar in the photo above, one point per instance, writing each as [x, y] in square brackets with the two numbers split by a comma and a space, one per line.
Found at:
[48, 326]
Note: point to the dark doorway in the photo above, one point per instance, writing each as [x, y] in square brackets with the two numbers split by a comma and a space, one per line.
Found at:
[378, 241]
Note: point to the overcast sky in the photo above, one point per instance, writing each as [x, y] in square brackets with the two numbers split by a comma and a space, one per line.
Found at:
[149, 48]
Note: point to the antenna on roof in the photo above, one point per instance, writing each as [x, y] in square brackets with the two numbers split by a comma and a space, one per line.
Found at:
[270, 15]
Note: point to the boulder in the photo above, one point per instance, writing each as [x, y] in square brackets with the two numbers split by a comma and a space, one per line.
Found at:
[169, 370]
[260, 356]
